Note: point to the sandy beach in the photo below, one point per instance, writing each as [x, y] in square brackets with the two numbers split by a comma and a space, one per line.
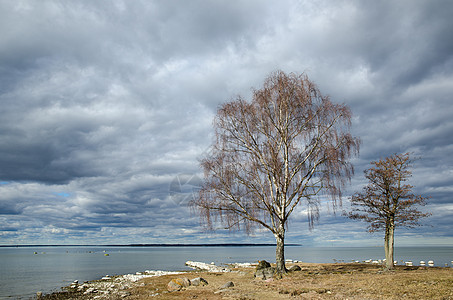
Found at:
[312, 281]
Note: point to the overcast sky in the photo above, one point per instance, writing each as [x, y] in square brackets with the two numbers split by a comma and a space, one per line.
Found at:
[106, 107]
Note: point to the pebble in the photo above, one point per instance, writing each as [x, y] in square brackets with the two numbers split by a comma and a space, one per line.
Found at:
[227, 285]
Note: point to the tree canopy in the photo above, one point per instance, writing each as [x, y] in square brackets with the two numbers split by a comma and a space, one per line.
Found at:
[285, 147]
[387, 201]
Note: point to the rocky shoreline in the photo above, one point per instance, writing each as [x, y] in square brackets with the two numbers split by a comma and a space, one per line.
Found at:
[115, 287]
[260, 281]
[108, 287]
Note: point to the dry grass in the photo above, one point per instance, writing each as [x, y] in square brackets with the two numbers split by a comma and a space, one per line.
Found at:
[315, 281]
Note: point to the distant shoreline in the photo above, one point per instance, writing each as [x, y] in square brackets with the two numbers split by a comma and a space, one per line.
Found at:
[156, 245]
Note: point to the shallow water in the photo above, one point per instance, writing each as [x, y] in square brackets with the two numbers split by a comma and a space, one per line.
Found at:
[23, 273]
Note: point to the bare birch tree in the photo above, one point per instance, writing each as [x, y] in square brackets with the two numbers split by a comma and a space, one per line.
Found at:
[285, 148]
[386, 202]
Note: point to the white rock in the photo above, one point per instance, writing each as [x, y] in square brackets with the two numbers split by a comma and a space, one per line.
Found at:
[205, 266]
[90, 290]
[135, 277]
[242, 265]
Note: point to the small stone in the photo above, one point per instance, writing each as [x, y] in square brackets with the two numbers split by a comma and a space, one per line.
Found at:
[227, 285]
[294, 268]
[90, 290]
[198, 281]
[124, 294]
[38, 295]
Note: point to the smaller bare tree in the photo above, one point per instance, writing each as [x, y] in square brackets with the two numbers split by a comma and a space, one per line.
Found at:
[386, 202]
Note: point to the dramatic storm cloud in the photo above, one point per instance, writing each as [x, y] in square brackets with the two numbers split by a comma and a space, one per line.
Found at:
[106, 107]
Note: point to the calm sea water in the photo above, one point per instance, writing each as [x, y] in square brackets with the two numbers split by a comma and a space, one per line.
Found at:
[23, 273]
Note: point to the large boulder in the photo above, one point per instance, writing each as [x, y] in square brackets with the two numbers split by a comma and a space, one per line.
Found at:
[178, 284]
[265, 273]
[262, 264]
[264, 270]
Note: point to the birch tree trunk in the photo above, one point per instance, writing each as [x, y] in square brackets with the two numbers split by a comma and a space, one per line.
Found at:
[388, 244]
[280, 250]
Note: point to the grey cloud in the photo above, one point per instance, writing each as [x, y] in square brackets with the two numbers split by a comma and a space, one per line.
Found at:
[387, 40]
[108, 102]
